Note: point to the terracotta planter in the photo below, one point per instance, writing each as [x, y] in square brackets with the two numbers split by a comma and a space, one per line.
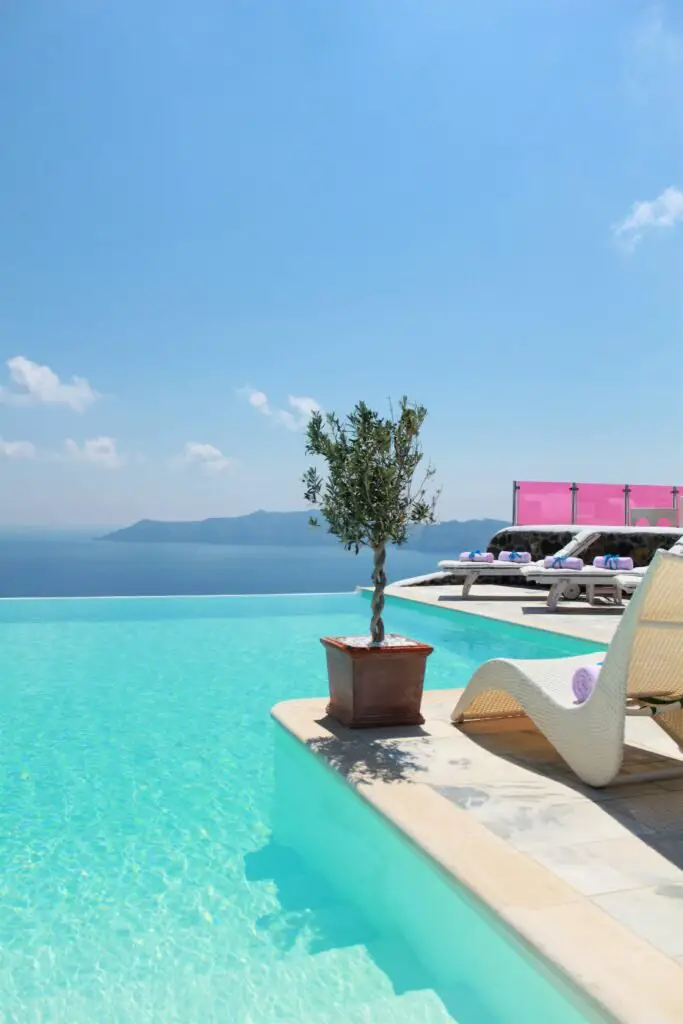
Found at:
[373, 686]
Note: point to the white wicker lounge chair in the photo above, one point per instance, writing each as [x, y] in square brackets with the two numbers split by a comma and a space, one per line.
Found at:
[642, 674]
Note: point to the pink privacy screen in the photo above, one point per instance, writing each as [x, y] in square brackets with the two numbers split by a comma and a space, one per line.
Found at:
[601, 503]
[643, 496]
[544, 503]
[539, 503]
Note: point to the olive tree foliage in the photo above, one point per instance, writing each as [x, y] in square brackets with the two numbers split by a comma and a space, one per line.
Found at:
[372, 492]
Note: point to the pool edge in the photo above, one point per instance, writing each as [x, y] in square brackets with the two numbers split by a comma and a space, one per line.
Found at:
[580, 943]
[556, 627]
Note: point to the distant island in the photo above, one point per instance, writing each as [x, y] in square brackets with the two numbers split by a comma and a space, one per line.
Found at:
[292, 529]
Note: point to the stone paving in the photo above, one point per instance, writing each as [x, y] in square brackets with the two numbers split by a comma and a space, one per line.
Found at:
[557, 859]
[593, 878]
[523, 606]
[622, 847]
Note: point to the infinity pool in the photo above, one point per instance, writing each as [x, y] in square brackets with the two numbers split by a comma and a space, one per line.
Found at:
[140, 880]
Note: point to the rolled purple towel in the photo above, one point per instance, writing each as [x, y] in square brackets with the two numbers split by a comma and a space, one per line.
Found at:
[583, 682]
[477, 556]
[560, 562]
[522, 557]
[613, 562]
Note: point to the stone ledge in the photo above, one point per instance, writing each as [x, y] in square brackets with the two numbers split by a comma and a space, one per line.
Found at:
[565, 929]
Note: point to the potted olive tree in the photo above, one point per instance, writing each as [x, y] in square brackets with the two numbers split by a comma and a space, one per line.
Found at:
[370, 497]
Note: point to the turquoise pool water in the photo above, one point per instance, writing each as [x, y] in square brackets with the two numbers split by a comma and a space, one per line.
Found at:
[140, 879]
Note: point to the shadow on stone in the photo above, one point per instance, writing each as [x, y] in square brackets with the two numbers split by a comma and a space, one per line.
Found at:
[385, 732]
[369, 758]
[653, 813]
[473, 598]
[603, 610]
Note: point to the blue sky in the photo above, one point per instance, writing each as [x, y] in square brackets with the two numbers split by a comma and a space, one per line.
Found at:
[214, 215]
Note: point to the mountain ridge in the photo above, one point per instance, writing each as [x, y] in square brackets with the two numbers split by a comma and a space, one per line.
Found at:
[292, 529]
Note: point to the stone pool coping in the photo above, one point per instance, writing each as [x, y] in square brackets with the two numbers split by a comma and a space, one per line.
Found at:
[627, 979]
[516, 605]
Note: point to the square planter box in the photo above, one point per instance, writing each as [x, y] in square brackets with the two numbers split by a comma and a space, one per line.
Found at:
[375, 685]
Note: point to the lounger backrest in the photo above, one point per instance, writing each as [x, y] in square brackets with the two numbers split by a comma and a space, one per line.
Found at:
[577, 544]
[646, 653]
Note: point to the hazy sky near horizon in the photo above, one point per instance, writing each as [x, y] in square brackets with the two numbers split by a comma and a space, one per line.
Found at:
[217, 216]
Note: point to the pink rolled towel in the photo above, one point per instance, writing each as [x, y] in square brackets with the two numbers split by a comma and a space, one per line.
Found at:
[583, 682]
[477, 556]
[613, 562]
[560, 562]
[522, 557]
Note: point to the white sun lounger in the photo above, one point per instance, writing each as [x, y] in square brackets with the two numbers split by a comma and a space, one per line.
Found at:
[642, 672]
[473, 571]
[627, 582]
[613, 582]
[561, 580]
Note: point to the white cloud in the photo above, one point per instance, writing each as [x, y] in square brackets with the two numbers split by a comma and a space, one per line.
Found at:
[17, 449]
[33, 384]
[259, 400]
[210, 458]
[98, 451]
[663, 212]
[295, 417]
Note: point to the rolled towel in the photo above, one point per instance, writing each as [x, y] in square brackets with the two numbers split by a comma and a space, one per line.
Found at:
[562, 562]
[522, 557]
[583, 682]
[477, 556]
[613, 562]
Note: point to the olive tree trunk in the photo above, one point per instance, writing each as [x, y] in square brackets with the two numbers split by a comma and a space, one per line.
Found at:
[379, 578]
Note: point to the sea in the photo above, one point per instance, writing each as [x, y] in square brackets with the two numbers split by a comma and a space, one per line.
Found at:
[37, 563]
